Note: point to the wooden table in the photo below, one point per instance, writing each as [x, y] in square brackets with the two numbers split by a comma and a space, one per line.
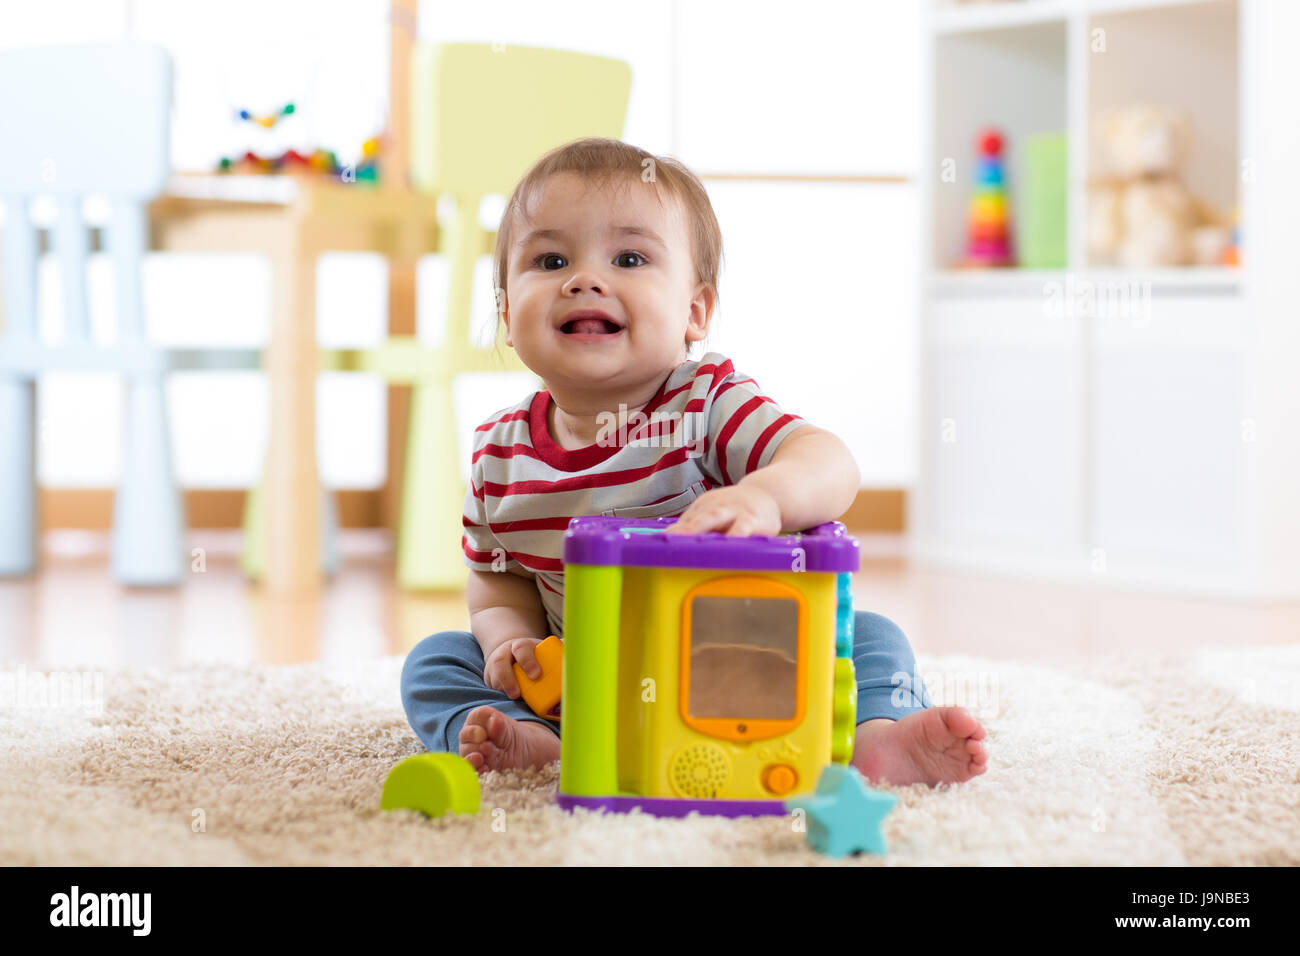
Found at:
[293, 220]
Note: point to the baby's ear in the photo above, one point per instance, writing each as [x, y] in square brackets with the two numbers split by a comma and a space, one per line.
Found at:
[697, 324]
[504, 315]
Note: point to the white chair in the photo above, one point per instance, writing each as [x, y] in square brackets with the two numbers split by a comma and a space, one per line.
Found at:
[79, 120]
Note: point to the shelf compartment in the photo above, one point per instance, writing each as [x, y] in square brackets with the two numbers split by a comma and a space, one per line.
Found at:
[1011, 78]
[1179, 57]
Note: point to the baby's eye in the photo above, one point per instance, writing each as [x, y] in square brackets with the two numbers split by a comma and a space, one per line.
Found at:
[540, 260]
[619, 258]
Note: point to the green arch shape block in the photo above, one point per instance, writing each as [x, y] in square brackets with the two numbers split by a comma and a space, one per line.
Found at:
[432, 784]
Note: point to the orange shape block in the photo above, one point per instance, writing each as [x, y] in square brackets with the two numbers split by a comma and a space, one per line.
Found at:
[543, 694]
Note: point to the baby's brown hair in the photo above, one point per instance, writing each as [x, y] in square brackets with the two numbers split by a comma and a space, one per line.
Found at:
[604, 162]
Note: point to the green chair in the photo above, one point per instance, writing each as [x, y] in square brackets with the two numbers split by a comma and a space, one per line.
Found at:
[481, 114]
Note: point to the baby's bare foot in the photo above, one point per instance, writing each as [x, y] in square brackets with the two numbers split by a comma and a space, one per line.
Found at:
[492, 741]
[937, 745]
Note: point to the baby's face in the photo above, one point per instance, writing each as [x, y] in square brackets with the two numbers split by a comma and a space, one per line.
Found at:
[616, 254]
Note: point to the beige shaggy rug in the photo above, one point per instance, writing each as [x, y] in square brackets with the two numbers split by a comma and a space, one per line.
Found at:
[1123, 762]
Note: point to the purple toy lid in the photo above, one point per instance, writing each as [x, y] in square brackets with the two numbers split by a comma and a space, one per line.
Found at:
[641, 542]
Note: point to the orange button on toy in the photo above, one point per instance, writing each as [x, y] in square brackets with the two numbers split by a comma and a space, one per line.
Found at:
[780, 778]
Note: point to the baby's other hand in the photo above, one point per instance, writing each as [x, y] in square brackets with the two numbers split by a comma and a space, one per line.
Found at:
[739, 510]
[500, 675]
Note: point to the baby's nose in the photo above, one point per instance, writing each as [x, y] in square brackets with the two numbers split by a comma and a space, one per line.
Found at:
[584, 283]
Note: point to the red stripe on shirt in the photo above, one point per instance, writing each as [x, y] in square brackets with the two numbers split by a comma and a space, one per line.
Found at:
[734, 422]
[627, 476]
[542, 582]
[661, 428]
[507, 451]
[666, 397]
[700, 372]
[656, 427]
[731, 385]
[720, 372]
[764, 438]
[474, 554]
[535, 562]
[560, 523]
[694, 404]
[521, 415]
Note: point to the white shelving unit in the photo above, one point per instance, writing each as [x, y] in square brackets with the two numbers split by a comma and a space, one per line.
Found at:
[1122, 428]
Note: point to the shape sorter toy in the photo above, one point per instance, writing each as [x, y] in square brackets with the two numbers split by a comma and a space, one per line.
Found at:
[704, 672]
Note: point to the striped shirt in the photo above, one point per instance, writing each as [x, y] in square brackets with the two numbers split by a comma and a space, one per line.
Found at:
[707, 426]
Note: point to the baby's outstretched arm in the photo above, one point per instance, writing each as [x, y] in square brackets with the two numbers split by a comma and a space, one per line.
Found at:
[812, 478]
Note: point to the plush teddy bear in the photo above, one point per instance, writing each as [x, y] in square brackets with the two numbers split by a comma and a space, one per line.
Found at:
[1140, 215]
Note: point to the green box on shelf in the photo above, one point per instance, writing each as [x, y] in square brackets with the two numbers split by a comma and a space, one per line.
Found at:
[1043, 202]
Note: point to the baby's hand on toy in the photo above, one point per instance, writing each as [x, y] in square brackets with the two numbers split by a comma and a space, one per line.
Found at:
[498, 672]
[739, 510]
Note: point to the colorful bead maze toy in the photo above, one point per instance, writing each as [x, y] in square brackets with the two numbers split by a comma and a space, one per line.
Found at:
[704, 672]
[320, 161]
[989, 223]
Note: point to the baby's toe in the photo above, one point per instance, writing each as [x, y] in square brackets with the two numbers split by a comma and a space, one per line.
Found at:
[494, 723]
[960, 723]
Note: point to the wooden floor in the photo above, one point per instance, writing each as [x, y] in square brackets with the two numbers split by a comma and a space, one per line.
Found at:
[72, 614]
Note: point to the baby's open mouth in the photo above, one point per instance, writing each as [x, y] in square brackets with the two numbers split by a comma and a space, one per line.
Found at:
[590, 326]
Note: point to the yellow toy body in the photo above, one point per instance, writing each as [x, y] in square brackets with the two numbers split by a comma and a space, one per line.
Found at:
[704, 673]
[673, 737]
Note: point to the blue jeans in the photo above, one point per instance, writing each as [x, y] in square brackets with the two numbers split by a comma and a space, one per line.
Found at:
[442, 681]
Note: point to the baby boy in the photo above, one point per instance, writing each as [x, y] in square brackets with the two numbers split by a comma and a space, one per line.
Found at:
[607, 263]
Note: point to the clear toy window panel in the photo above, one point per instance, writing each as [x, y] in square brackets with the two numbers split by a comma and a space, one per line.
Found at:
[743, 642]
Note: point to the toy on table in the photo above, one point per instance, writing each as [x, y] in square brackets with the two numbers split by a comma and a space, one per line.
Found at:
[704, 673]
[319, 161]
[271, 119]
[432, 783]
[988, 237]
[543, 694]
[368, 168]
[844, 814]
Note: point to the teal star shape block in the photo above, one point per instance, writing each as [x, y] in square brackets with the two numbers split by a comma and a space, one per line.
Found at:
[843, 814]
